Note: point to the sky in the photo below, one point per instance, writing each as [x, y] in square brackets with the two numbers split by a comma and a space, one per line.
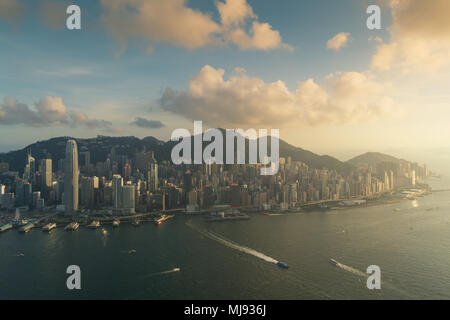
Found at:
[310, 68]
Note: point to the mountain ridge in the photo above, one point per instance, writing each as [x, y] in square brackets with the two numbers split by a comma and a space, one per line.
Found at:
[100, 146]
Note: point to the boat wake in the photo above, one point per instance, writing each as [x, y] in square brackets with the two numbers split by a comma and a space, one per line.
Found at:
[163, 272]
[384, 283]
[352, 270]
[231, 244]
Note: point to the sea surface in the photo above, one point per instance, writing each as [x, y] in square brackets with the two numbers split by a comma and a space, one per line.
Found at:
[409, 241]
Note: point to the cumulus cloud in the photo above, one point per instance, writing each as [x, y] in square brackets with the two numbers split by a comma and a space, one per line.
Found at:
[158, 20]
[11, 10]
[261, 37]
[171, 21]
[242, 101]
[47, 112]
[338, 41]
[234, 12]
[420, 37]
[148, 124]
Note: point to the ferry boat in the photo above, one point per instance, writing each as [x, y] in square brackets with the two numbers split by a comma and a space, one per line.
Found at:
[49, 227]
[282, 265]
[116, 223]
[27, 227]
[6, 227]
[94, 224]
[72, 226]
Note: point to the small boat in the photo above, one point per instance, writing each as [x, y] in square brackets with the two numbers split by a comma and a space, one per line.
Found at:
[94, 224]
[163, 218]
[136, 223]
[132, 251]
[116, 223]
[72, 226]
[27, 227]
[282, 265]
[6, 227]
[49, 227]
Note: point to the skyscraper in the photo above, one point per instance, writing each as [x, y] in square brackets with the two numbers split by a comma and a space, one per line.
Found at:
[71, 177]
[153, 176]
[46, 174]
[117, 184]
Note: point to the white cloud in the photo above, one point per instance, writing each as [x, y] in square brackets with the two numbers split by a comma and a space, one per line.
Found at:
[171, 21]
[261, 37]
[420, 38]
[234, 12]
[242, 101]
[338, 41]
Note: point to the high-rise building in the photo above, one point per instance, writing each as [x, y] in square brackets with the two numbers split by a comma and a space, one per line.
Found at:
[128, 197]
[117, 184]
[153, 176]
[71, 177]
[46, 174]
[19, 193]
[30, 168]
[87, 192]
[4, 167]
[2, 192]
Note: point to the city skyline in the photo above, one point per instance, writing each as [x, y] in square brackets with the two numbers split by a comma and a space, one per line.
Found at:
[374, 82]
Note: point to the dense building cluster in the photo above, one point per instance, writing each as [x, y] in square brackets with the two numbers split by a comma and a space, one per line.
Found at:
[125, 185]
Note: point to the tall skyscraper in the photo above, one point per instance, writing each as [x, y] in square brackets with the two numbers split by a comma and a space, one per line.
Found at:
[30, 168]
[46, 174]
[117, 184]
[153, 176]
[71, 177]
[128, 199]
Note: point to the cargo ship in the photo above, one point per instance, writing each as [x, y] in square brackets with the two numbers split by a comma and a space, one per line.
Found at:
[49, 227]
[6, 227]
[27, 227]
[94, 224]
[116, 223]
[72, 226]
[282, 265]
